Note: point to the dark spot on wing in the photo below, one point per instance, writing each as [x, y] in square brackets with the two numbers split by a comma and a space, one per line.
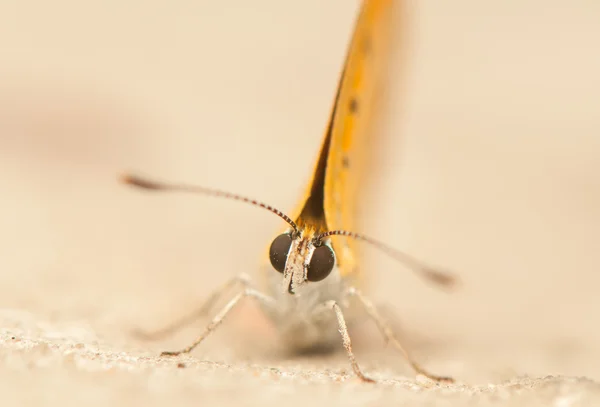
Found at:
[345, 161]
[353, 105]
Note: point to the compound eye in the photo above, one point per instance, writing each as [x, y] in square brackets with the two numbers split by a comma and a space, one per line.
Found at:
[278, 252]
[321, 263]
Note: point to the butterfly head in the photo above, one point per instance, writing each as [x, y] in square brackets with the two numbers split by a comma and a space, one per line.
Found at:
[301, 256]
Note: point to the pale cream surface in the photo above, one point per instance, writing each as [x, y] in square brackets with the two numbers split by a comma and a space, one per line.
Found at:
[489, 166]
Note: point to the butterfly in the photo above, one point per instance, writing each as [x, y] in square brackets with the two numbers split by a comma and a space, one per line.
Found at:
[312, 271]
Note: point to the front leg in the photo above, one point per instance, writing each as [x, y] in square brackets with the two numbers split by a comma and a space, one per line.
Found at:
[347, 342]
[389, 336]
[264, 300]
[241, 279]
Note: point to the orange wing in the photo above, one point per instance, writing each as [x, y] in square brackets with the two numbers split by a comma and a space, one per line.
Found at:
[330, 198]
[355, 124]
[355, 115]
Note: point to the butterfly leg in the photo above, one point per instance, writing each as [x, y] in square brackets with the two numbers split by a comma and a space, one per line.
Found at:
[347, 342]
[241, 279]
[220, 317]
[389, 336]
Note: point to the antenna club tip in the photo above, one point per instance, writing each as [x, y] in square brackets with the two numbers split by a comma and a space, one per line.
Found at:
[136, 181]
[441, 278]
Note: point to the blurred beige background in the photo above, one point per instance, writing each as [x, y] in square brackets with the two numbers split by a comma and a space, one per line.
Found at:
[491, 167]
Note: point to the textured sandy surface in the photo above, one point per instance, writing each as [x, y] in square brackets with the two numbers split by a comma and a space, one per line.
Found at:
[67, 365]
[490, 167]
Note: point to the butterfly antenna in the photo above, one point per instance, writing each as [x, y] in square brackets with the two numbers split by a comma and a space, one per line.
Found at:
[145, 183]
[436, 276]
